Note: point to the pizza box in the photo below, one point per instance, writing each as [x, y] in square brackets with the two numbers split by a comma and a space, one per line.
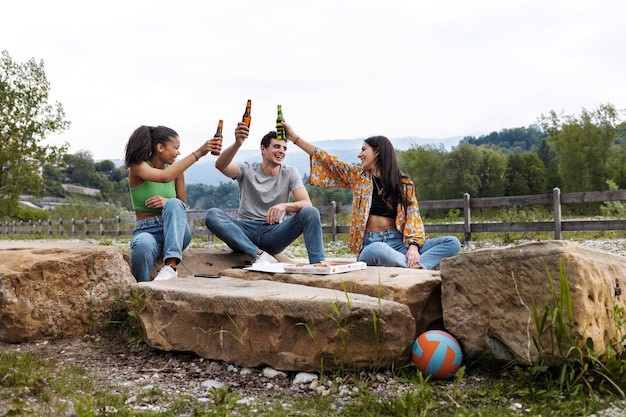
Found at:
[325, 268]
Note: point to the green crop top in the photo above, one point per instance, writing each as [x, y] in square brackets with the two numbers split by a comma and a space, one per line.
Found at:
[140, 194]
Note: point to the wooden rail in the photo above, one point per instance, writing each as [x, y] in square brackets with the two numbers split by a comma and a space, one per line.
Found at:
[124, 226]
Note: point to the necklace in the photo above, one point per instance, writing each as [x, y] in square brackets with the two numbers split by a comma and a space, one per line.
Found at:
[379, 189]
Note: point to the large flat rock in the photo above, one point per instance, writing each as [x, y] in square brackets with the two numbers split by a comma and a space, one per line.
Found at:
[286, 326]
[420, 290]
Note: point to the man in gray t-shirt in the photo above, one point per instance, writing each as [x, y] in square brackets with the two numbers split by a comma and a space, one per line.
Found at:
[261, 228]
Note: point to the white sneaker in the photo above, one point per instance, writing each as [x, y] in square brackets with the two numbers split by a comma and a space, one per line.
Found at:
[264, 258]
[167, 272]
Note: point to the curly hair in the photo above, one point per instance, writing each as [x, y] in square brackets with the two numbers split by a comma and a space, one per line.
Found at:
[143, 142]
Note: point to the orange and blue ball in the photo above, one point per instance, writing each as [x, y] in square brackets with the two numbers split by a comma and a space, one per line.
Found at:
[437, 354]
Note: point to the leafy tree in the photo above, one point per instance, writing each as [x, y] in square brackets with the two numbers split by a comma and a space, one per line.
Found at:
[202, 197]
[461, 167]
[424, 164]
[545, 153]
[582, 145]
[26, 118]
[553, 179]
[81, 168]
[525, 174]
[106, 166]
[491, 173]
[516, 140]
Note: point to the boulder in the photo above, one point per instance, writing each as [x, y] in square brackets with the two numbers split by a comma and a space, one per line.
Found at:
[418, 289]
[54, 289]
[488, 294]
[267, 323]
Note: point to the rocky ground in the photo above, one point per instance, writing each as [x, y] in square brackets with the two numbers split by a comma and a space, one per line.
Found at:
[116, 363]
[113, 360]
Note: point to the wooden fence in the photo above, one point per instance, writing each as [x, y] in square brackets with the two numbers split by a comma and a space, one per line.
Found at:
[123, 227]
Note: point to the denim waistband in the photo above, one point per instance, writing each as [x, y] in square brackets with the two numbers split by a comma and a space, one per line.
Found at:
[387, 233]
[150, 221]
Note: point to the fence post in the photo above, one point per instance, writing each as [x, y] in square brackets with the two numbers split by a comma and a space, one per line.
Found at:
[467, 219]
[73, 228]
[556, 204]
[85, 227]
[101, 223]
[333, 220]
[117, 227]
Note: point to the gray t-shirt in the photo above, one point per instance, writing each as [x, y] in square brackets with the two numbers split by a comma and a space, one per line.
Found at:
[259, 191]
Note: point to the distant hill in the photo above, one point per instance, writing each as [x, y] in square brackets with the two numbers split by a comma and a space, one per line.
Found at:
[204, 172]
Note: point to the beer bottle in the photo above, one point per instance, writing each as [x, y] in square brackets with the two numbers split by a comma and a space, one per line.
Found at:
[280, 130]
[218, 134]
[246, 115]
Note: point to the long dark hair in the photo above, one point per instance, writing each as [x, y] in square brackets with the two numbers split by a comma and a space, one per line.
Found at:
[389, 171]
[143, 142]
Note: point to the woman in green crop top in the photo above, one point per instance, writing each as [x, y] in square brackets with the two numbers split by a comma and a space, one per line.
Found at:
[157, 190]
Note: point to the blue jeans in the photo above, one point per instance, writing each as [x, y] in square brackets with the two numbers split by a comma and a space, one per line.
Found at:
[387, 248]
[248, 236]
[163, 236]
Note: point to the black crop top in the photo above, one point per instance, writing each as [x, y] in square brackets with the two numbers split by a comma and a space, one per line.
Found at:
[379, 208]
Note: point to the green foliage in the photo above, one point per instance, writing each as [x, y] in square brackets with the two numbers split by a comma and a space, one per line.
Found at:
[582, 146]
[525, 174]
[424, 164]
[26, 118]
[76, 210]
[516, 140]
[461, 171]
[613, 208]
[202, 197]
[26, 214]
[566, 363]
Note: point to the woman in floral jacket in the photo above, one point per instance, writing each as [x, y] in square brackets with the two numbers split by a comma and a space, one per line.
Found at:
[386, 227]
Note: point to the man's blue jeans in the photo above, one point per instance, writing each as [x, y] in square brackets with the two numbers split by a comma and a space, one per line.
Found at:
[248, 236]
[163, 236]
[387, 248]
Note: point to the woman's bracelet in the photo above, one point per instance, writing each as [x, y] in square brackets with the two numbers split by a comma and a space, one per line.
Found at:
[296, 141]
[194, 154]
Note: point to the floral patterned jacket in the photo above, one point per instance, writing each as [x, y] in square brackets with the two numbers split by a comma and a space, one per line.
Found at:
[328, 171]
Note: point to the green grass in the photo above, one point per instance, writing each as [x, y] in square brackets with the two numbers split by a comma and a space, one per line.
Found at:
[31, 385]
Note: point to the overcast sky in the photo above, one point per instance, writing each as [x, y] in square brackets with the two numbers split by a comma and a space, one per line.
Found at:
[341, 69]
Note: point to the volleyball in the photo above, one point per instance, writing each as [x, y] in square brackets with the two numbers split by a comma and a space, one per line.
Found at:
[437, 354]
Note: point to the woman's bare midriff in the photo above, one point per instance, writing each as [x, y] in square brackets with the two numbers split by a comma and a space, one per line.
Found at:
[379, 223]
[140, 215]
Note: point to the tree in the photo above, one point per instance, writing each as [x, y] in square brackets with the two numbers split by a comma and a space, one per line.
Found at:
[461, 169]
[26, 118]
[525, 174]
[424, 164]
[106, 167]
[583, 146]
[80, 167]
[491, 173]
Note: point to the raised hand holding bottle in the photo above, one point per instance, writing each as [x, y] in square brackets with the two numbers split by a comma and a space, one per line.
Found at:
[280, 130]
[218, 134]
[247, 114]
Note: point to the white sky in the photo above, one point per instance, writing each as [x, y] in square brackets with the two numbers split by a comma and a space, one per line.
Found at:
[341, 69]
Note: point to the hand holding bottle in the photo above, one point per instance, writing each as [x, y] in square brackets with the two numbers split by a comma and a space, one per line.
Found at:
[218, 136]
[241, 133]
[280, 130]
